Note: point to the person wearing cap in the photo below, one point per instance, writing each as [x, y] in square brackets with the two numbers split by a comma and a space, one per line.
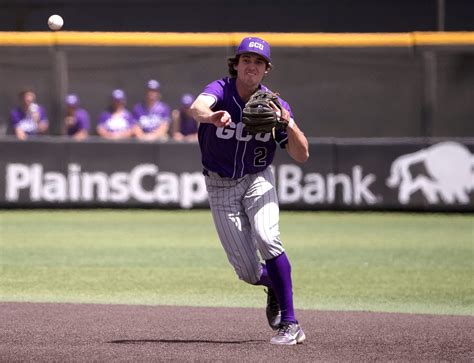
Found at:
[76, 121]
[152, 115]
[29, 118]
[117, 122]
[241, 185]
[184, 126]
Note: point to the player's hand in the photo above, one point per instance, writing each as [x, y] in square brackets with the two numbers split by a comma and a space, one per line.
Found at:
[70, 120]
[220, 118]
[282, 114]
[42, 127]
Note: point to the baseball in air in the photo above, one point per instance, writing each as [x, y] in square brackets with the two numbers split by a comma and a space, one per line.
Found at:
[55, 22]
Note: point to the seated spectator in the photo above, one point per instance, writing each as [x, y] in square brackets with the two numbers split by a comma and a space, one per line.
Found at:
[29, 118]
[152, 115]
[76, 121]
[185, 127]
[117, 122]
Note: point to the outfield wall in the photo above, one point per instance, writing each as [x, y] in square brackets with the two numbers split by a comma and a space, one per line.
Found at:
[341, 174]
[339, 85]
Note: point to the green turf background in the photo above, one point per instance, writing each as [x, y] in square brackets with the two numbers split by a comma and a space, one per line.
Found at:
[420, 263]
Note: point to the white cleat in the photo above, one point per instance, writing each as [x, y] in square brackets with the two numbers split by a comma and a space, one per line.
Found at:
[289, 334]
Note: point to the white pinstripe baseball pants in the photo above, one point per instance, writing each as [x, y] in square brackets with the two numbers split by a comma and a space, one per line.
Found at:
[246, 216]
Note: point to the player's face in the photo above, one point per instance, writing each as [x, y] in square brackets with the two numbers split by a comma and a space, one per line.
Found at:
[118, 105]
[28, 98]
[251, 69]
[187, 110]
[152, 96]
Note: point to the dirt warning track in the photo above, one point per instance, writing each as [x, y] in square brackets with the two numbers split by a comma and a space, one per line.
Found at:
[89, 332]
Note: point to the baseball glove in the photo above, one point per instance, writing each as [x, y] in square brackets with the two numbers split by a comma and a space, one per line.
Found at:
[259, 116]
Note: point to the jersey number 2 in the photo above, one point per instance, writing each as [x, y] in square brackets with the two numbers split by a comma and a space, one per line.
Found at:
[260, 156]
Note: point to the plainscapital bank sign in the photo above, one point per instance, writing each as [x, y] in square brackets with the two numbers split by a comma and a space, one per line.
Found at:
[186, 189]
[447, 179]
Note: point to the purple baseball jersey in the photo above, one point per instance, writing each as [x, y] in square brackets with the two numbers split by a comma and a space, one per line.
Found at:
[152, 118]
[81, 122]
[188, 125]
[229, 150]
[115, 123]
[24, 121]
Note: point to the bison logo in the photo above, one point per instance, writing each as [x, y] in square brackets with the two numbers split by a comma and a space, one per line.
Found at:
[450, 169]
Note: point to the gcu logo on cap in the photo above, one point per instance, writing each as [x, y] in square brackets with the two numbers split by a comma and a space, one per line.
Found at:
[256, 45]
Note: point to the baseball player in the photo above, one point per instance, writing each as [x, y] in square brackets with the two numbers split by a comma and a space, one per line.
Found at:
[152, 115]
[241, 184]
[116, 122]
[76, 120]
[184, 126]
[29, 118]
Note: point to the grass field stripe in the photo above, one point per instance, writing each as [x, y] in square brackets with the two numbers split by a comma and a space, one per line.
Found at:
[357, 261]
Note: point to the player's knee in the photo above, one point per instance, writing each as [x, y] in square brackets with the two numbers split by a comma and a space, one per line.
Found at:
[249, 278]
[263, 239]
[267, 235]
[269, 247]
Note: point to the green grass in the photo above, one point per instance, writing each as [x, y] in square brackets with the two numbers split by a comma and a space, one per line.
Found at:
[420, 263]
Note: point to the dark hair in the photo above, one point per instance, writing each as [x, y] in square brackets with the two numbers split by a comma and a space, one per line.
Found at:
[233, 61]
[26, 90]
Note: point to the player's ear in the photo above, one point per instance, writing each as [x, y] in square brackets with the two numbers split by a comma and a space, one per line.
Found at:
[269, 68]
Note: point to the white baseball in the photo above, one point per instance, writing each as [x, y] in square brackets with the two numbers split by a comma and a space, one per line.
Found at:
[55, 22]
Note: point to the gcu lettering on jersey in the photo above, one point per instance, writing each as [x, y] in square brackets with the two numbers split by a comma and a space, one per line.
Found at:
[256, 45]
[237, 131]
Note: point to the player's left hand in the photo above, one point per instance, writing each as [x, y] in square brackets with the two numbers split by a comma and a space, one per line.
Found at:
[282, 113]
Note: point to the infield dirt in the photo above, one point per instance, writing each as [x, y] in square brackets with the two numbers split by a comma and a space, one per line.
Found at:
[87, 332]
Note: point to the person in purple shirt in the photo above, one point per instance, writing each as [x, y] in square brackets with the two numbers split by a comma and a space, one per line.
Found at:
[76, 121]
[241, 184]
[29, 118]
[184, 126]
[117, 122]
[152, 115]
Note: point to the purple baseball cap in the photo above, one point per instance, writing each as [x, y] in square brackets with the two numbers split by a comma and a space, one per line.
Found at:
[187, 99]
[72, 100]
[255, 45]
[118, 95]
[153, 84]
